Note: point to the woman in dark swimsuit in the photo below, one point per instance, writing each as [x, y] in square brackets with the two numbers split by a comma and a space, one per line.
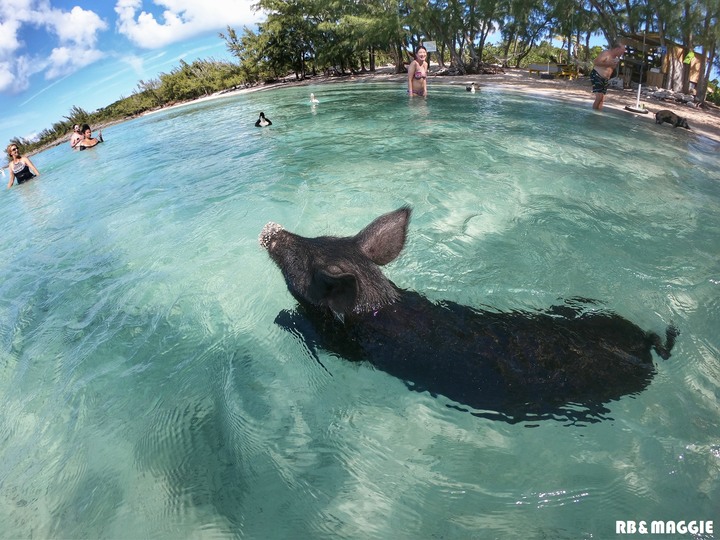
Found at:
[89, 141]
[417, 73]
[21, 168]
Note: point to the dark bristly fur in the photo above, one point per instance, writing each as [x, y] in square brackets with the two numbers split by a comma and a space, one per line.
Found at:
[671, 118]
[563, 362]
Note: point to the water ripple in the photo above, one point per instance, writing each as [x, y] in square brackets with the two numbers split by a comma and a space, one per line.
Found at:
[150, 391]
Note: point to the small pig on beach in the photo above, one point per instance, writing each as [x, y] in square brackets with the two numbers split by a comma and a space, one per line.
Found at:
[564, 362]
[671, 118]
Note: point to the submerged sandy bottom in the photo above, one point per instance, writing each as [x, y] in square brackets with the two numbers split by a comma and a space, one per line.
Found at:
[704, 122]
[148, 391]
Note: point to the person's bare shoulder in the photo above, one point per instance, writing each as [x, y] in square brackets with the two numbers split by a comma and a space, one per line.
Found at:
[603, 56]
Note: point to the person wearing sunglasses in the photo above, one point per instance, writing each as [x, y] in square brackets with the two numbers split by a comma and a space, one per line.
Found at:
[20, 167]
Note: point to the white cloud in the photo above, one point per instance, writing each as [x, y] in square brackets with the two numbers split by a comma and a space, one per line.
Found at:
[77, 26]
[18, 72]
[135, 62]
[9, 42]
[75, 30]
[6, 78]
[66, 60]
[180, 20]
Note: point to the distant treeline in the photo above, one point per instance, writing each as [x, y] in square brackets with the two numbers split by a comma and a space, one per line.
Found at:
[308, 37]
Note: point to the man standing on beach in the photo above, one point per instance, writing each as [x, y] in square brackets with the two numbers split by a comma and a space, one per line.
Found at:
[603, 68]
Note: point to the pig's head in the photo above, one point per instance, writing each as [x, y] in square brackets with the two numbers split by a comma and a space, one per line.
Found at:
[341, 274]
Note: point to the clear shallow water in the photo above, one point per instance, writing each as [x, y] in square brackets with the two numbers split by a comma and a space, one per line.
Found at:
[147, 392]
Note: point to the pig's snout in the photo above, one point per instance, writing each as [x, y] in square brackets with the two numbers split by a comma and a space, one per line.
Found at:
[268, 233]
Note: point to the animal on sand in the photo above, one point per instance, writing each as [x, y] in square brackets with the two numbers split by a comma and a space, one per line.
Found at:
[563, 362]
[671, 118]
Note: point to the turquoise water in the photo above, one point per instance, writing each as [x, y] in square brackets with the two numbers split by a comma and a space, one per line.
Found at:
[147, 393]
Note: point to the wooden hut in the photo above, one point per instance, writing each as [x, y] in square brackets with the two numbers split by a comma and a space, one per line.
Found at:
[660, 65]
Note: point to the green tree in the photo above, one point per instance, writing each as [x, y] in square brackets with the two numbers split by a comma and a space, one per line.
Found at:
[291, 30]
[524, 25]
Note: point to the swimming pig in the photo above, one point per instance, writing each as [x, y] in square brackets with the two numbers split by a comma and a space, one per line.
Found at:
[562, 362]
[671, 118]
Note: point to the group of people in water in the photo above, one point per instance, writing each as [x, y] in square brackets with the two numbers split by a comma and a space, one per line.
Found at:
[82, 138]
[603, 67]
[22, 169]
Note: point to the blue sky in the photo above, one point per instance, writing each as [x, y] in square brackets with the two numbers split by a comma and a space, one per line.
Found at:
[55, 54]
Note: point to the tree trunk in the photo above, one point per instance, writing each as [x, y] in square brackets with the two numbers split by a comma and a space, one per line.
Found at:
[587, 47]
[705, 77]
[455, 60]
[688, 46]
[474, 62]
[706, 61]
[399, 60]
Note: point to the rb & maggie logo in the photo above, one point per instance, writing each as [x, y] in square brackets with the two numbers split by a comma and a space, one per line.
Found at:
[664, 527]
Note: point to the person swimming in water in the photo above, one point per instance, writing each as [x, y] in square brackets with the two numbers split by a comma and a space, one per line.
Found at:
[262, 121]
[20, 167]
[417, 73]
[89, 141]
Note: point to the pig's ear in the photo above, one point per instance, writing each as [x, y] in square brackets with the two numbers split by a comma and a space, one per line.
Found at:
[383, 240]
[337, 291]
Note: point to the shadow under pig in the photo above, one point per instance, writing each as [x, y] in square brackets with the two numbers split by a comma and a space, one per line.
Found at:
[565, 362]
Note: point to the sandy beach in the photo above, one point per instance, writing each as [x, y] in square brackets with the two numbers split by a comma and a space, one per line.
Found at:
[705, 122]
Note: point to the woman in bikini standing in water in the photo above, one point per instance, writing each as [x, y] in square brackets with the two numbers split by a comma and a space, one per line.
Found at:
[417, 73]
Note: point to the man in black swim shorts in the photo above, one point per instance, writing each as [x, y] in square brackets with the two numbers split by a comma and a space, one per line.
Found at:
[600, 84]
[603, 68]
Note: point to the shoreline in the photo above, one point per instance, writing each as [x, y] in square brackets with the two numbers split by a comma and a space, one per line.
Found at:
[703, 122]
